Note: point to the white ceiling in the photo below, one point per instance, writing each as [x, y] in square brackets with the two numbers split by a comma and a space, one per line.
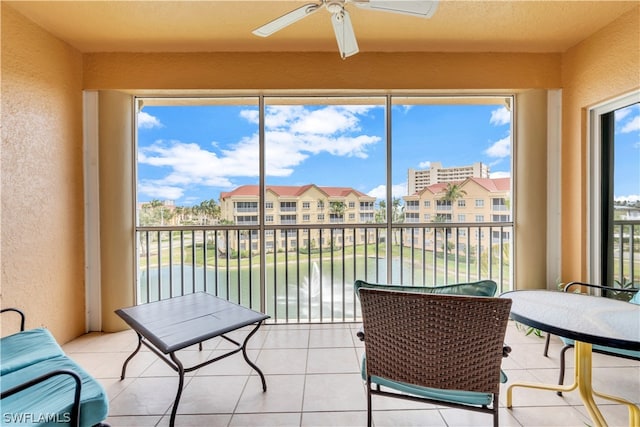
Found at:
[223, 26]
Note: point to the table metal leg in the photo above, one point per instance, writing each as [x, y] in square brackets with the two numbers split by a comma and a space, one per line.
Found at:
[583, 382]
[126, 362]
[246, 358]
[180, 369]
[551, 387]
[177, 366]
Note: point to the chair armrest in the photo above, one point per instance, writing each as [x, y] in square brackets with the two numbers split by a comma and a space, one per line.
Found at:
[15, 310]
[570, 285]
[615, 291]
[75, 409]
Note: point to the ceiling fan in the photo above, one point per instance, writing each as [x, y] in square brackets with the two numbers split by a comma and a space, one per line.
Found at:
[341, 20]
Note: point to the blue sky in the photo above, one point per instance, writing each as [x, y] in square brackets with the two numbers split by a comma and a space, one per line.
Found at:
[190, 154]
[626, 181]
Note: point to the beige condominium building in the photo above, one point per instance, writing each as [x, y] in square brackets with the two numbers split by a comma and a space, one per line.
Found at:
[419, 179]
[480, 204]
[312, 209]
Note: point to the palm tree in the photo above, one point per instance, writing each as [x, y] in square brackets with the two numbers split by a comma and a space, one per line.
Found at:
[381, 213]
[453, 192]
[210, 210]
[397, 209]
[397, 217]
[154, 213]
[337, 209]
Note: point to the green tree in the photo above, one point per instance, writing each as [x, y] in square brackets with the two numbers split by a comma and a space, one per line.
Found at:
[337, 209]
[154, 213]
[209, 211]
[453, 192]
[397, 210]
[381, 212]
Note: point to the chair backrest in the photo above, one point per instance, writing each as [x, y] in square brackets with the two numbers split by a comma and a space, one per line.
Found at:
[482, 288]
[441, 341]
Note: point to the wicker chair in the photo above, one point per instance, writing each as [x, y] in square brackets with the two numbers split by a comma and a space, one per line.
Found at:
[440, 349]
[626, 294]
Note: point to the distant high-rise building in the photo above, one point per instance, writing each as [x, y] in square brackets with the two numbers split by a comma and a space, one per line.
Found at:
[435, 174]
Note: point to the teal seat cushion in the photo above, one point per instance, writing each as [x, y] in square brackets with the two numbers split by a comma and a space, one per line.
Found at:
[53, 396]
[482, 288]
[25, 348]
[452, 396]
[636, 298]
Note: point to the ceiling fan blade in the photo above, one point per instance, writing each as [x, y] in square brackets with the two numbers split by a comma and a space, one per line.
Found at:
[286, 20]
[345, 35]
[420, 8]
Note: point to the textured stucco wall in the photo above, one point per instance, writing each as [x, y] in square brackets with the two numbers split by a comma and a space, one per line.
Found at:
[42, 240]
[531, 190]
[117, 256]
[304, 71]
[602, 67]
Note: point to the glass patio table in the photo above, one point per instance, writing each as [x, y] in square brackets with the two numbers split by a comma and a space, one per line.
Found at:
[588, 320]
[170, 325]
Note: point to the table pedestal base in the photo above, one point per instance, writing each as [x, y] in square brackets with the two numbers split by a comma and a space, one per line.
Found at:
[582, 381]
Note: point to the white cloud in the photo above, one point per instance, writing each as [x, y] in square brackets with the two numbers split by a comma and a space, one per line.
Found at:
[499, 174]
[147, 121]
[500, 149]
[190, 164]
[158, 191]
[397, 191]
[424, 165]
[252, 116]
[500, 117]
[326, 121]
[622, 113]
[632, 125]
[293, 134]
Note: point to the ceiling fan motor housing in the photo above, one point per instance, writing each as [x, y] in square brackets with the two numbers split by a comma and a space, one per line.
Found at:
[335, 7]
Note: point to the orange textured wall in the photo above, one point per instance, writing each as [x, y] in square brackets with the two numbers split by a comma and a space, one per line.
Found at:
[42, 178]
[602, 67]
[281, 71]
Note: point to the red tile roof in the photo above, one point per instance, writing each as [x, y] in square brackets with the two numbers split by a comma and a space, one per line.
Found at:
[490, 184]
[290, 191]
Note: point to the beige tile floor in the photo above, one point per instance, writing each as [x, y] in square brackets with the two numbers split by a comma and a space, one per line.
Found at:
[313, 379]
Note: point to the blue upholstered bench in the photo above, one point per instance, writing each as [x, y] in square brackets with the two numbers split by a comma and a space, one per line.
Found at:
[41, 386]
